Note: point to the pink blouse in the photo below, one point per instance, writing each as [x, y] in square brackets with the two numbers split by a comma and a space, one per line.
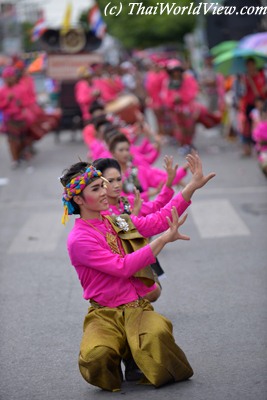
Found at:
[84, 97]
[107, 277]
[148, 207]
[188, 91]
[151, 177]
[10, 103]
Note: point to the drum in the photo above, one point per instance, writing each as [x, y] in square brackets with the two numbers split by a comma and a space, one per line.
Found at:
[126, 106]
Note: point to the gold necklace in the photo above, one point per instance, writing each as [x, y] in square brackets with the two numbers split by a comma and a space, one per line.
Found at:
[111, 239]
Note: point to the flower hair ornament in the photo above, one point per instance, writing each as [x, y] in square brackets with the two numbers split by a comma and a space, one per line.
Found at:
[75, 187]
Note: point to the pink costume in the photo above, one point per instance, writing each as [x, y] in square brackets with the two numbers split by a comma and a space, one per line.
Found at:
[107, 277]
[98, 149]
[84, 96]
[153, 84]
[181, 107]
[145, 154]
[259, 135]
[32, 110]
[38, 121]
[144, 178]
[110, 87]
[88, 133]
[148, 207]
[10, 104]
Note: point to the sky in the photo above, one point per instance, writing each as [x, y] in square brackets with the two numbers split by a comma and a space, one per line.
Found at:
[54, 10]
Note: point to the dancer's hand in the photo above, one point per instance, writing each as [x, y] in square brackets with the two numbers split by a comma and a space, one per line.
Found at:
[170, 169]
[173, 234]
[137, 202]
[198, 180]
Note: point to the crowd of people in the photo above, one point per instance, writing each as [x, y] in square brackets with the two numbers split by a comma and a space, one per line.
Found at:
[167, 89]
[179, 99]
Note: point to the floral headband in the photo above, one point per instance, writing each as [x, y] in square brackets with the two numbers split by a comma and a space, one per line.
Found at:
[75, 187]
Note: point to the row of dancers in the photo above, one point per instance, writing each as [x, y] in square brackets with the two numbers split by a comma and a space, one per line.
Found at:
[109, 250]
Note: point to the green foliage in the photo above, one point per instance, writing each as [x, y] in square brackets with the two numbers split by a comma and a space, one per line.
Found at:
[83, 20]
[27, 44]
[141, 31]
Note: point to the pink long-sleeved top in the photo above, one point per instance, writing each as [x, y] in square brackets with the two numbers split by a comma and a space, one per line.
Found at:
[107, 277]
[187, 92]
[110, 87]
[32, 110]
[99, 149]
[88, 133]
[148, 207]
[10, 103]
[153, 84]
[144, 154]
[84, 95]
[151, 177]
[26, 83]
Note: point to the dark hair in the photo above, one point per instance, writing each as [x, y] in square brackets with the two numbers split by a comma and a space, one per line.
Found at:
[108, 128]
[119, 138]
[104, 163]
[74, 170]
[99, 121]
[96, 105]
[109, 131]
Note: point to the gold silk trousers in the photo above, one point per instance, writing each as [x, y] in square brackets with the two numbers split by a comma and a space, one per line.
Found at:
[112, 334]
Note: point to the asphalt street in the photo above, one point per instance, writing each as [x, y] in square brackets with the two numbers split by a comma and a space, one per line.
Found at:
[214, 291]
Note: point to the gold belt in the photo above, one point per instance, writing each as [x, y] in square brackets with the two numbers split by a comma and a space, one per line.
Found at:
[132, 304]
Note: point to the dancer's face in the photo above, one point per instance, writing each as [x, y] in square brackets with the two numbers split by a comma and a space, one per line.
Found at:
[115, 183]
[121, 152]
[94, 197]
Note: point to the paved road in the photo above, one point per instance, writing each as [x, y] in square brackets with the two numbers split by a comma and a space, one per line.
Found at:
[214, 290]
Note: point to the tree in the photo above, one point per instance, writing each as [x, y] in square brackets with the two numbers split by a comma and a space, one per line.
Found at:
[141, 31]
[28, 45]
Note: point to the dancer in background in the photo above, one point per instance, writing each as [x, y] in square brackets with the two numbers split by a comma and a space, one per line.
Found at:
[14, 121]
[179, 93]
[85, 92]
[154, 79]
[147, 179]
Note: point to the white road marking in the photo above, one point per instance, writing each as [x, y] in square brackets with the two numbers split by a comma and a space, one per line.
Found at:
[41, 233]
[233, 190]
[217, 218]
[4, 181]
